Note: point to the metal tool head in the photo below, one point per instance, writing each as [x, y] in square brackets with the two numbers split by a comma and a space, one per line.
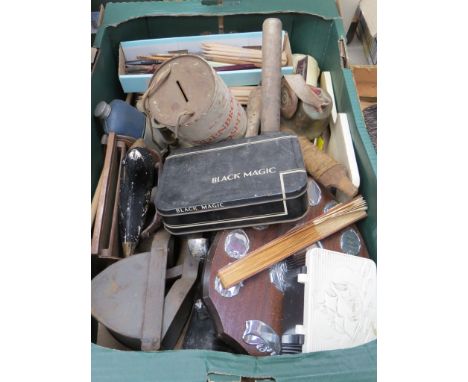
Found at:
[198, 247]
[262, 336]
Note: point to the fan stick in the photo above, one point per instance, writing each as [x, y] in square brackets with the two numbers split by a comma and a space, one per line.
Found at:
[292, 242]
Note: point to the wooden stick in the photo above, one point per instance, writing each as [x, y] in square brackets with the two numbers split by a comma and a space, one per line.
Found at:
[228, 49]
[215, 64]
[156, 58]
[169, 54]
[243, 52]
[271, 75]
[94, 202]
[233, 48]
[242, 90]
[221, 57]
[254, 112]
[229, 60]
[298, 239]
[233, 67]
[236, 52]
[234, 56]
[105, 198]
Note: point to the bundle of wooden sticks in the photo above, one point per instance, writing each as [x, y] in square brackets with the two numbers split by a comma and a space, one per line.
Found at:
[294, 241]
[149, 64]
[235, 55]
[221, 57]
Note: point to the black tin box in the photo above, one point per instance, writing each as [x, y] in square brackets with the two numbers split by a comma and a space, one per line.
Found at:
[237, 183]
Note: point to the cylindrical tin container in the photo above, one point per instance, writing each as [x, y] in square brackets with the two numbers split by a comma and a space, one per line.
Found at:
[189, 98]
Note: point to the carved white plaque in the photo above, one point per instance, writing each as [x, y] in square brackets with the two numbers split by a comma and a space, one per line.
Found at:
[339, 300]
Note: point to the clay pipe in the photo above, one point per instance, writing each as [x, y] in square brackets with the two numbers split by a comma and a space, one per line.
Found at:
[271, 75]
[323, 168]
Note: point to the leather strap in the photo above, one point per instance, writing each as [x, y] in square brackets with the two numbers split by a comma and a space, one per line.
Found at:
[154, 300]
[303, 91]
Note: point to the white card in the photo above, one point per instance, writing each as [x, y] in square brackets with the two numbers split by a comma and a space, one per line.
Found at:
[340, 148]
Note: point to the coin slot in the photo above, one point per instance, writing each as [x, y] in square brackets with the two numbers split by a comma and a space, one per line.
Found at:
[182, 91]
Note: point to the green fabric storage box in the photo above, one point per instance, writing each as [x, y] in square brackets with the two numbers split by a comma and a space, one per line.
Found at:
[314, 27]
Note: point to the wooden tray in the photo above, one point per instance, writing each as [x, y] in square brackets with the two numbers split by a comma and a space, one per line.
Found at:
[105, 241]
[258, 298]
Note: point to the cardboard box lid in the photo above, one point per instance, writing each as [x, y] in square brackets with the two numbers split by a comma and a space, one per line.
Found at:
[117, 13]
[355, 364]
